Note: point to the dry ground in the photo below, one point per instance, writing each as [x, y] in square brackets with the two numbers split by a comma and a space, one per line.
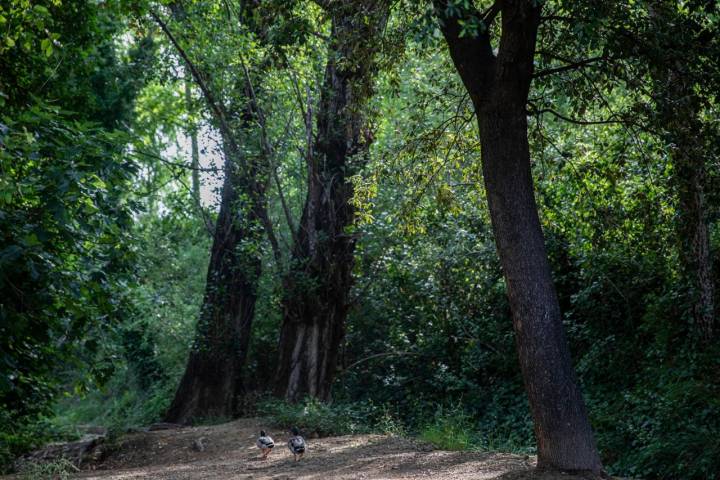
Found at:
[230, 453]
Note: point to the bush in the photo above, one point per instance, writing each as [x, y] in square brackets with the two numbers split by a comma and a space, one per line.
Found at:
[453, 428]
[450, 430]
[19, 438]
[665, 427]
[120, 406]
[312, 416]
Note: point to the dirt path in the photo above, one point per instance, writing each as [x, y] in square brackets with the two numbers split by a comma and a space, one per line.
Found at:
[230, 453]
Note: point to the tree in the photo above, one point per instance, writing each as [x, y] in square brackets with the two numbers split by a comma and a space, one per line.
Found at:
[666, 53]
[498, 85]
[317, 287]
[212, 383]
[677, 47]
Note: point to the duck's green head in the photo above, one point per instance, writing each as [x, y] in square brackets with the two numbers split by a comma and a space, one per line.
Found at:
[262, 433]
[295, 431]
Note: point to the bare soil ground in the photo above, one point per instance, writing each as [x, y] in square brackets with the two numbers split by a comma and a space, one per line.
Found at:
[229, 452]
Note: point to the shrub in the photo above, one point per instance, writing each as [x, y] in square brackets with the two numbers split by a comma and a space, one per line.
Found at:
[451, 429]
[312, 416]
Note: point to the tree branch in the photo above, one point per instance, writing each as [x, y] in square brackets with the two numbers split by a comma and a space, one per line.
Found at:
[574, 120]
[207, 221]
[472, 55]
[217, 108]
[571, 66]
[270, 231]
[379, 355]
[489, 15]
[269, 153]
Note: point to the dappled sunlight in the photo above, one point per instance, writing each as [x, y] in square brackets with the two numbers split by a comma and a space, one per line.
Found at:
[231, 454]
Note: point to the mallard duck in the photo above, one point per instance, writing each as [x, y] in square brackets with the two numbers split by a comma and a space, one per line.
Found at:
[265, 444]
[296, 444]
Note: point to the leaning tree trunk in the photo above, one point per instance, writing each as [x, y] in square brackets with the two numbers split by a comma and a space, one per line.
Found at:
[498, 86]
[318, 283]
[565, 439]
[212, 384]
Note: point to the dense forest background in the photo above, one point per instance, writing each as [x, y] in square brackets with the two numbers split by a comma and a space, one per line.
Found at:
[156, 175]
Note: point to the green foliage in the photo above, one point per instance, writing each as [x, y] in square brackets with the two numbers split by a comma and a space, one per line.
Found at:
[60, 469]
[450, 430]
[104, 251]
[66, 202]
[65, 213]
[669, 421]
[150, 348]
[326, 419]
[120, 405]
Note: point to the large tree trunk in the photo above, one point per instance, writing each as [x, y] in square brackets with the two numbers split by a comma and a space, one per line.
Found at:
[499, 86]
[212, 385]
[317, 286]
[565, 439]
[689, 173]
[679, 117]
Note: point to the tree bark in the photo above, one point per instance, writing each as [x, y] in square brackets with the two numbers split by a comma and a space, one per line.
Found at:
[679, 117]
[562, 430]
[318, 283]
[499, 86]
[694, 238]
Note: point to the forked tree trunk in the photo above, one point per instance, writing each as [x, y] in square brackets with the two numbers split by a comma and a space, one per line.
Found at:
[317, 287]
[212, 385]
[499, 86]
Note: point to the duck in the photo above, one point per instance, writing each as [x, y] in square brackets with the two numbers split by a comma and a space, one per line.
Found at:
[296, 444]
[265, 444]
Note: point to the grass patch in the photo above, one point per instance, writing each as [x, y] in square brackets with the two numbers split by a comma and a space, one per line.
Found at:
[453, 428]
[450, 430]
[59, 469]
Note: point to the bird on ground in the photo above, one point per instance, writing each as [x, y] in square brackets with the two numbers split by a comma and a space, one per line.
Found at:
[296, 444]
[265, 444]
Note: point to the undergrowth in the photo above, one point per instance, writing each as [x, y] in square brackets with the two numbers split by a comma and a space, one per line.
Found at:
[59, 469]
[451, 428]
[312, 416]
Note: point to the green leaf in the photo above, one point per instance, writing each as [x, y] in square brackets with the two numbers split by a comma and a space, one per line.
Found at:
[46, 46]
[31, 240]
